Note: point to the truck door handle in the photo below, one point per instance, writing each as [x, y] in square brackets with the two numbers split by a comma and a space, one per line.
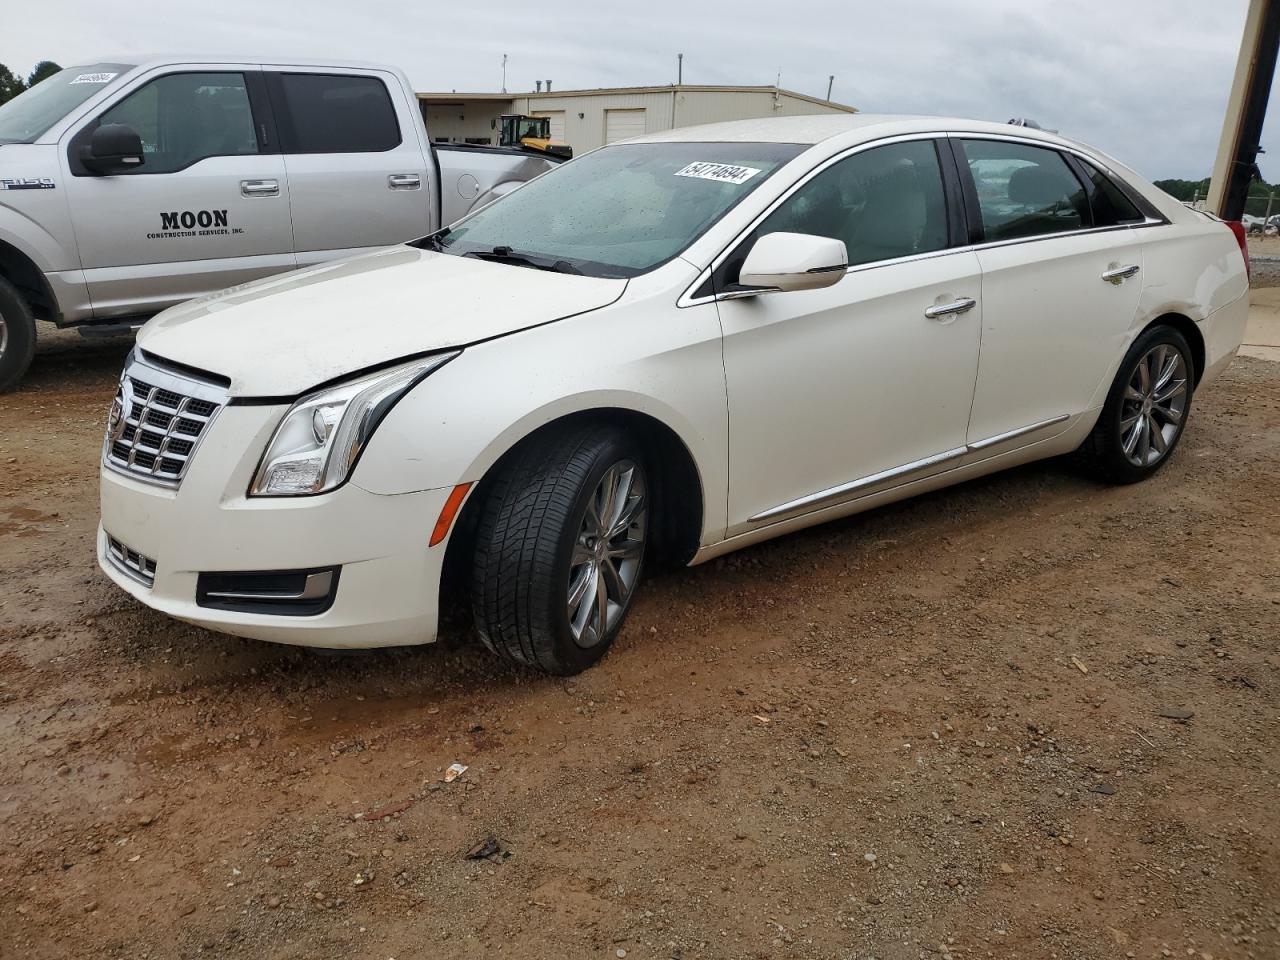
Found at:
[404, 181]
[1117, 275]
[260, 188]
[963, 305]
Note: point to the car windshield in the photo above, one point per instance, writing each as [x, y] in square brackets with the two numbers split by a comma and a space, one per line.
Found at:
[34, 111]
[619, 211]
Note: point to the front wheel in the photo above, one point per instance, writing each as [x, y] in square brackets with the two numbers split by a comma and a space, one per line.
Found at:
[17, 336]
[1146, 409]
[560, 546]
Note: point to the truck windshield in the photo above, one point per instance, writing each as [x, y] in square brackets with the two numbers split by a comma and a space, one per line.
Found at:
[34, 111]
[619, 211]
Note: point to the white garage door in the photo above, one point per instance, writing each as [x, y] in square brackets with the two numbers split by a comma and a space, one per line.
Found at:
[557, 122]
[623, 124]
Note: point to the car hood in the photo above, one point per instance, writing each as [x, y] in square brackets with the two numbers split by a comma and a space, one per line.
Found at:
[286, 334]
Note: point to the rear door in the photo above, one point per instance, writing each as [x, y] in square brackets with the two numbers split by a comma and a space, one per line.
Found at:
[207, 209]
[1061, 280]
[357, 173]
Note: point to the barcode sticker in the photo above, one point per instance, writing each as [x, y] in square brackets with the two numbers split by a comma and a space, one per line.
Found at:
[722, 172]
[95, 77]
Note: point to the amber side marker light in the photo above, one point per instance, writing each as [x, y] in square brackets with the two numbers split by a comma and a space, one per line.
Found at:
[450, 510]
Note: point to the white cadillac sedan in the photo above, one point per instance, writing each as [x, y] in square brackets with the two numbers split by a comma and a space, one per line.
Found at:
[678, 345]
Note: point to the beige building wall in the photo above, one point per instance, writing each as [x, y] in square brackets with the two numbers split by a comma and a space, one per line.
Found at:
[584, 111]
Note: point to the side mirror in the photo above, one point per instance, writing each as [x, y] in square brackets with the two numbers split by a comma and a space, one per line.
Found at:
[793, 261]
[113, 147]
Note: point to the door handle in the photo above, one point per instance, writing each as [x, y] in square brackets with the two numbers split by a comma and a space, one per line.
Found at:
[955, 307]
[260, 188]
[404, 181]
[1118, 275]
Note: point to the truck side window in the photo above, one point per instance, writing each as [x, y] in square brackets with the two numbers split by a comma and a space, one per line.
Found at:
[183, 118]
[326, 113]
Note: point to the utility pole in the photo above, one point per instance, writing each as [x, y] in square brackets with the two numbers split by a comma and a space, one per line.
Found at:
[830, 82]
[1238, 148]
[504, 73]
[679, 69]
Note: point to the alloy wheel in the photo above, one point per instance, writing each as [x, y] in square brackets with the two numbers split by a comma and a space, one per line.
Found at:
[1155, 402]
[607, 552]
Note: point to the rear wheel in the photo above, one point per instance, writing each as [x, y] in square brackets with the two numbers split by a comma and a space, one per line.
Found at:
[559, 548]
[17, 336]
[1146, 409]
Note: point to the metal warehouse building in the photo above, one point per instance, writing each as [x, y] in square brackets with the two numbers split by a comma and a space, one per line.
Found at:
[587, 119]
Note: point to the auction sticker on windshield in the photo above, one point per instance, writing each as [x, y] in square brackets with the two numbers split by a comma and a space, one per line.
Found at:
[95, 77]
[723, 172]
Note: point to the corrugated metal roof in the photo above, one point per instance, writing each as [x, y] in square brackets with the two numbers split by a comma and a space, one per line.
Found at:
[455, 97]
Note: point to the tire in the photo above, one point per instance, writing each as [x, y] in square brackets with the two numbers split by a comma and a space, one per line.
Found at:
[1125, 445]
[535, 541]
[17, 336]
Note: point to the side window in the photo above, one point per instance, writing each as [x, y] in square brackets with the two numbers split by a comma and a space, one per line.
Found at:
[883, 203]
[1110, 206]
[183, 118]
[322, 113]
[1024, 191]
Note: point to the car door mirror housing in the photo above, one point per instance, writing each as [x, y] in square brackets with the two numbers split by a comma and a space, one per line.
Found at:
[792, 261]
[114, 147]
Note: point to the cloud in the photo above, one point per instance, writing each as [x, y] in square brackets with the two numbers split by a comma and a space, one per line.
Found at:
[1145, 80]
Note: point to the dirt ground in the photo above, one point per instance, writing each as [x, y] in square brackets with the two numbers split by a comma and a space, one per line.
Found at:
[944, 729]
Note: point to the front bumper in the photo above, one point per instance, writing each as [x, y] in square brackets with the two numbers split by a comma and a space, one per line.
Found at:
[388, 591]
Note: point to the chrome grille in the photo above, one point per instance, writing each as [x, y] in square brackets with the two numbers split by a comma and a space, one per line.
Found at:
[157, 421]
[131, 563]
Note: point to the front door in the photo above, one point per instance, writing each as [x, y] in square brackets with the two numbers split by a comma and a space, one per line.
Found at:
[837, 393]
[207, 209]
[1061, 280]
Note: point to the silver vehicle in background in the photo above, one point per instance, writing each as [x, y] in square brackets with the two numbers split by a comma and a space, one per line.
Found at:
[126, 188]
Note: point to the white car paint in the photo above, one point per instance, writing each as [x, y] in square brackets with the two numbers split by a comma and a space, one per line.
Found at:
[776, 398]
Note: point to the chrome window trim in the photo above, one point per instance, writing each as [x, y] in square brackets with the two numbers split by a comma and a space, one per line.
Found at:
[834, 496]
[687, 298]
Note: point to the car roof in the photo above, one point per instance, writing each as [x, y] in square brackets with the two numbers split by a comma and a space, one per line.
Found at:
[147, 61]
[851, 128]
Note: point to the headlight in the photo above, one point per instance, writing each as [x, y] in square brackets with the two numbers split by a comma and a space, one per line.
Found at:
[321, 437]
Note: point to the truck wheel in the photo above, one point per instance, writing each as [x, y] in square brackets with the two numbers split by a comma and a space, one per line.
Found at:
[559, 548]
[17, 336]
[1146, 409]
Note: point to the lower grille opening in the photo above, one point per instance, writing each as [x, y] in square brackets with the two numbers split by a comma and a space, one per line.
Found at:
[130, 562]
[284, 593]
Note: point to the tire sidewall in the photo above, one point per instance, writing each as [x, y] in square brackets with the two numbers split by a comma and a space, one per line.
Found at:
[22, 336]
[1118, 463]
[573, 657]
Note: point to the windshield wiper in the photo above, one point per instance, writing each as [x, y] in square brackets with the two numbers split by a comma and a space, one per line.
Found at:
[504, 254]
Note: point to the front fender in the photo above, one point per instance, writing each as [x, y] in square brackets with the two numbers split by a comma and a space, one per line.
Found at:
[462, 418]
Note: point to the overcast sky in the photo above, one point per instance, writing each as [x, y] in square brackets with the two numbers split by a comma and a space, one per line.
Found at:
[1145, 80]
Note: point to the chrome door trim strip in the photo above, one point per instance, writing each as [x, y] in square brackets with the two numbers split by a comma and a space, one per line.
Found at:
[839, 493]
[1012, 434]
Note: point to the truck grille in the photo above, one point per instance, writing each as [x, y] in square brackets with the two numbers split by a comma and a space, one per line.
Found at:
[131, 563]
[157, 420]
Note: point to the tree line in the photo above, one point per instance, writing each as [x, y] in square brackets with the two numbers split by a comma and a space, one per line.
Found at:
[1256, 205]
[12, 84]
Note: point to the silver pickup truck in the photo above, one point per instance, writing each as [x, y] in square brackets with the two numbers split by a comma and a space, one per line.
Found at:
[128, 187]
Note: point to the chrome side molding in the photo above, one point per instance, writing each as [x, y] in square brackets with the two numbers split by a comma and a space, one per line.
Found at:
[833, 495]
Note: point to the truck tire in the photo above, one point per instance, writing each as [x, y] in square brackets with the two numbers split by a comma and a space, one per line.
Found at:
[1146, 409]
[17, 336]
[559, 548]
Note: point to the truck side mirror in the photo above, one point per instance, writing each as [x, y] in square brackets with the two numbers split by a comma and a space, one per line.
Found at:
[112, 148]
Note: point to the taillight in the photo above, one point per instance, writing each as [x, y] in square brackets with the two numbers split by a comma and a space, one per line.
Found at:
[1241, 238]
